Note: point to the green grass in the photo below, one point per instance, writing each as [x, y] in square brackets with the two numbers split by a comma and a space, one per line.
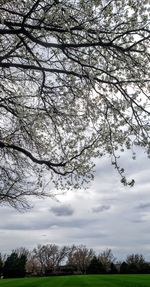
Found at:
[80, 281]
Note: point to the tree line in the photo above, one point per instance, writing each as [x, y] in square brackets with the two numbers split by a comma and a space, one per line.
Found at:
[51, 259]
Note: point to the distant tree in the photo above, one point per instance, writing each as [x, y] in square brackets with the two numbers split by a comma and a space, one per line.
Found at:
[1, 264]
[39, 254]
[23, 254]
[136, 259]
[133, 268]
[80, 257]
[21, 251]
[145, 268]
[33, 266]
[50, 256]
[21, 266]
[124, 268]
[113, 269]
[106, 258]
[14, 266]
[10, 266]
[95, 266]
[135, 263]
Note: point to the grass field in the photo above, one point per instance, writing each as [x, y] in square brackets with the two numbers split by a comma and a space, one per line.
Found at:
[80, 281]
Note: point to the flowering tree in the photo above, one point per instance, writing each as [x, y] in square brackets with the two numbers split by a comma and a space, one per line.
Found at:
[74, 86]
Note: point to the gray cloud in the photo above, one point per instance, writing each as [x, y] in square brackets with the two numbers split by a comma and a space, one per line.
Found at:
[83, 217]
[143, 205]
[101, 208]
[45, 222]
[138, 220]
[62, 210]
[91, 235]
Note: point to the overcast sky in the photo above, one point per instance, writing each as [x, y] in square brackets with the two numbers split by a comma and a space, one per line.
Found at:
[107, 215]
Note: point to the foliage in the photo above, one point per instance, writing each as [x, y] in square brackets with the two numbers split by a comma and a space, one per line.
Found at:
[136, 263]
[95, 267]
[74, 86]
[113, 269]
[14, 266]
[137, 259]
[124, 268]
[1, 264]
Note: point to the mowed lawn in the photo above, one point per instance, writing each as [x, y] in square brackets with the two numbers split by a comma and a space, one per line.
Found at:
[80, 281]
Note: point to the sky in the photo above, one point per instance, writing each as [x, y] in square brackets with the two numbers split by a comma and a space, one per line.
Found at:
[106, 215]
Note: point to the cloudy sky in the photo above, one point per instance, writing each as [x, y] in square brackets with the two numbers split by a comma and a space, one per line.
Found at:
[107, 215]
